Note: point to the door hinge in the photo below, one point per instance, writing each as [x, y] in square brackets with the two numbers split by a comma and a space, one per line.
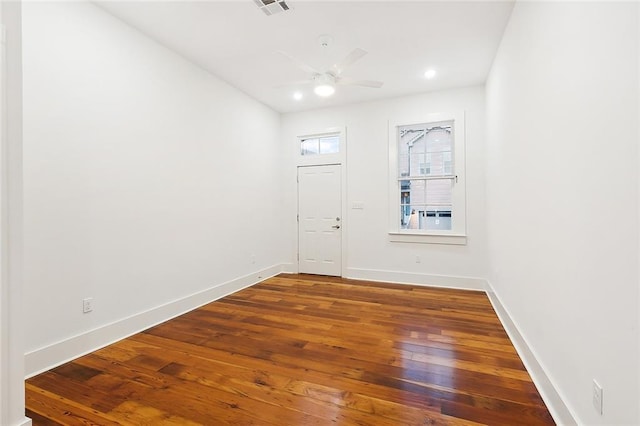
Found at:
[298, 257]
[297, 218]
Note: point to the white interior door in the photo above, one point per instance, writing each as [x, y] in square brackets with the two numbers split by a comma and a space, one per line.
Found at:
[319, 220]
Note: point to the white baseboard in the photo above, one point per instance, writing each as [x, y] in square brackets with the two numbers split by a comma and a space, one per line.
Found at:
[463, 283]
[25, 422]
[50, 356]
[558, 409]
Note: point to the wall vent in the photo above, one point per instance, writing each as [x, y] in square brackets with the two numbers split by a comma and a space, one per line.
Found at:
[271, 7]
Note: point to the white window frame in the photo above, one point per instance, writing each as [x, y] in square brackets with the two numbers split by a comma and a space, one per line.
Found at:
[458, 234]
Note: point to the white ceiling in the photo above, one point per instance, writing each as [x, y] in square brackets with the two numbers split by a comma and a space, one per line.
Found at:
[237, 42]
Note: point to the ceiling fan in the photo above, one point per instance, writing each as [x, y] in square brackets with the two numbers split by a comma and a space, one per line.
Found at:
[325, 81]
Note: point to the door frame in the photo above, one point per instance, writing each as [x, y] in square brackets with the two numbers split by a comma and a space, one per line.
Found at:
[12, 325]
[325, 160]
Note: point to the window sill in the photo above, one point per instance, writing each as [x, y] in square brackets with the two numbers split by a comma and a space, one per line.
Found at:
[405, 237]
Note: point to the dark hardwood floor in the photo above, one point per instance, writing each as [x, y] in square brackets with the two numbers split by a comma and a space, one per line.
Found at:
[304, 350]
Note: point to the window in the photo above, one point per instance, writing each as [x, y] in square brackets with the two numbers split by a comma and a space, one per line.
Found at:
[320, 145]
[325, 146]
[427, 181]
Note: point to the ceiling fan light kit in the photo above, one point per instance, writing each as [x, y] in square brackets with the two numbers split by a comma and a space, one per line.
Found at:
[324, 90]
[325, 85]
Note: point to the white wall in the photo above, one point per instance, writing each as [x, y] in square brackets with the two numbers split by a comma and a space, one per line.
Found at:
[562, 207]
[370, 254]
[146, 179]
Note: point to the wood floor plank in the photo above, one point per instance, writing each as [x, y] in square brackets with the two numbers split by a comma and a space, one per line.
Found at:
[64, 410]
[304, 350]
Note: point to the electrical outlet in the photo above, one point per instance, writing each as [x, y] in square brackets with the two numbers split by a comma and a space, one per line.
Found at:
[253, 259]
[597, 397]
[87, 305]
[418, 259]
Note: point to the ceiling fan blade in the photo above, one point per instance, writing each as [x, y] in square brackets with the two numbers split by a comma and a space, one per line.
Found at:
[297, 62]
[348, 60]
[364, 83]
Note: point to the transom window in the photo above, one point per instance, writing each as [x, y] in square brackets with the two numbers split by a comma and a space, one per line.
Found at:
[320, 145]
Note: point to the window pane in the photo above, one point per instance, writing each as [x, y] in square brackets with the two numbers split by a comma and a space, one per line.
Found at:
[405, 199]
[309, 147]
[425, 149]
[411, 149]
[426, 204]
[421, 217]
[439, 142]
[329, 145]
[403, 165]
[439, 192]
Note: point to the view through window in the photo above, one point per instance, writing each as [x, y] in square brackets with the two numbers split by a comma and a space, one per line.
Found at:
[320, 145]
[426, 175]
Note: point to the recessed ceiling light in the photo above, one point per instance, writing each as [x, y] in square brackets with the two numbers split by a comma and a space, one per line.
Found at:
[297, 96]
[429, 74]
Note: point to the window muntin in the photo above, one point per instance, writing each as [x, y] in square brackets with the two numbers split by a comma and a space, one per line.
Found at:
[309, 147]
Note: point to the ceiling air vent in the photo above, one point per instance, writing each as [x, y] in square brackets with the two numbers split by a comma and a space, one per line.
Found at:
[271, 7]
